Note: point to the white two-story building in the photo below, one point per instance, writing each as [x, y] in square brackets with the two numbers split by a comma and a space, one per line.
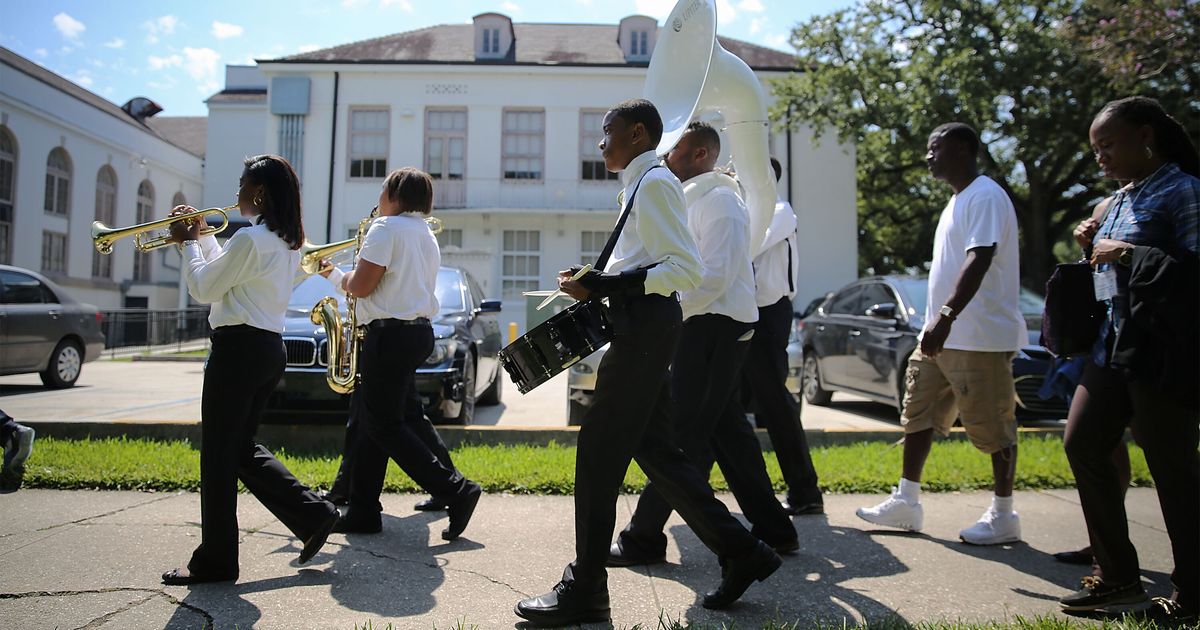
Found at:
[506, 117]
[69, 157]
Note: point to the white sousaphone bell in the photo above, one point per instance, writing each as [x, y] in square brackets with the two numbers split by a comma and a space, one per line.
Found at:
[692, 75]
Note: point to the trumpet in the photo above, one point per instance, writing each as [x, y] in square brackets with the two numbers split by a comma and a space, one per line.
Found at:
[311, 254]
[104, 236]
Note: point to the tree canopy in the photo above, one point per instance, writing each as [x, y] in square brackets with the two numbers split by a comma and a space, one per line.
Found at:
[1028, 76]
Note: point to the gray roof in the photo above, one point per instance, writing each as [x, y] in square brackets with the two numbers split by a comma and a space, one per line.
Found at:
[536, 44]
[239, 96]
[25, 66]
[189, 133]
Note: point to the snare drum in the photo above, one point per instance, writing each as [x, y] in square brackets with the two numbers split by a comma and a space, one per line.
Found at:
[556, 344]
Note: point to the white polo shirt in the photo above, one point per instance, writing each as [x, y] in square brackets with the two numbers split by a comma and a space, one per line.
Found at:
[409, 251]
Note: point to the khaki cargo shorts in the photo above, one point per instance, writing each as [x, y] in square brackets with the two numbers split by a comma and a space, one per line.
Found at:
[978, 386]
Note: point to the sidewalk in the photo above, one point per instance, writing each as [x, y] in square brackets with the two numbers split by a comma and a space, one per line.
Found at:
[76, 559]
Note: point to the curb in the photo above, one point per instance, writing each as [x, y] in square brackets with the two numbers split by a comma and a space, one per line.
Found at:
[167, 358]
[331, 437]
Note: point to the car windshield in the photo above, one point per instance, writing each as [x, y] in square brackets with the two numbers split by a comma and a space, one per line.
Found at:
[313, 288]
[914, 292]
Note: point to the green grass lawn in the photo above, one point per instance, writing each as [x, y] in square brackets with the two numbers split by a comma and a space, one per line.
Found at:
[124, 464]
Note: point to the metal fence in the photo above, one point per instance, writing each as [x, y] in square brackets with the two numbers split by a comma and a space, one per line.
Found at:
[139, 327]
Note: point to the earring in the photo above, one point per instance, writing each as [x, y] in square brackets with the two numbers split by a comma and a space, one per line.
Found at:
[1149, 153]
[258, 199]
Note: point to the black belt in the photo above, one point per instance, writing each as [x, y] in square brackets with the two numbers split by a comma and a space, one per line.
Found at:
[240, 329]
[386, 323]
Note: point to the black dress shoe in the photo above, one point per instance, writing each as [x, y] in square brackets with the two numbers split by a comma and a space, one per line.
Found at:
[461, 510]
[1075, 557]
[801, 509]
[430, 505]
[620, 556]
[316, 540]
[564, 606]
[336, 498]
[740, 572]
[184, 577]
[353, 523]
[791, 545]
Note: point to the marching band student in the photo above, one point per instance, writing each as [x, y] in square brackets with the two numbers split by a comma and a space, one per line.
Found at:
[248, 282]
[653, 259]
[394, 282]
[718, 321]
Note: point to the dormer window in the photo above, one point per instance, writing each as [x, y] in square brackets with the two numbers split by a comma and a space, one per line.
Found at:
[635, 36]
[493, 36]
[491, 40]
[638, 44]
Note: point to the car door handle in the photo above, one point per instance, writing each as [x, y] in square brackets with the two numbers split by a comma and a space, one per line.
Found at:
[54, 314]
[855, 333]
[820, 328]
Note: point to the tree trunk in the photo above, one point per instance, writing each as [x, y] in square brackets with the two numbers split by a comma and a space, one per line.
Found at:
[1037, 255]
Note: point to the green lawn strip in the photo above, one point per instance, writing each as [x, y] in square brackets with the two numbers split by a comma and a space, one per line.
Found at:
[138, 464]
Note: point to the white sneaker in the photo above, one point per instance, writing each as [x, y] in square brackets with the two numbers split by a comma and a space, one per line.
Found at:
[895, 512]
[993, 529]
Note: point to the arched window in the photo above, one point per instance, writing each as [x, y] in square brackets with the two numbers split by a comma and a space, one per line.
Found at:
[106, 213]
[178, 200]
[145, 212]
[8, 192]
[58, 182]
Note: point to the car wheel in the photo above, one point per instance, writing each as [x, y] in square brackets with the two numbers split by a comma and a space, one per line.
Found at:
[466, 411]
[813, 392]
[491, 395]
[575, 412]
[65, 364]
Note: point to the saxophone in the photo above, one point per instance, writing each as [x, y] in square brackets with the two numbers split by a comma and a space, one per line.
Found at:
[343, 337]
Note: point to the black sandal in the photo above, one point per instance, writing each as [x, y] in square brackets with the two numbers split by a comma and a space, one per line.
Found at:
[177, 577]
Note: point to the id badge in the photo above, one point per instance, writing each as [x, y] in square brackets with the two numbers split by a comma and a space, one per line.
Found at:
[1105, 284]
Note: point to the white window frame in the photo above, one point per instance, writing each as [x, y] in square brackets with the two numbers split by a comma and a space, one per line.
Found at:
[145, 212]
[591, 243]
[450, 237]
[106, 213]
[57, 200]
[375, 172]
[589, 149]
[522, 147]
[54, 252]
[445, 135]
[520, 262]
[8, 192]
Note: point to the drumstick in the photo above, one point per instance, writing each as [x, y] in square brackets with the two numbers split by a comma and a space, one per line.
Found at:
[557, 292]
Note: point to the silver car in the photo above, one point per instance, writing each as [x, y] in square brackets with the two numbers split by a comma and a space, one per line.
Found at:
[581, 378]
[44, 330]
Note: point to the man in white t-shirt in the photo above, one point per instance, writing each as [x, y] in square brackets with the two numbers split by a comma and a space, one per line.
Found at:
[963, 365]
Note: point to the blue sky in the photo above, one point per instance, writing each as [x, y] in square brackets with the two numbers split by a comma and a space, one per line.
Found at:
[175, 52]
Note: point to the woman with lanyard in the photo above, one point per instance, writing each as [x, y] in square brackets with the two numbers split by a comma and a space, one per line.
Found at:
[395, 281]
[248, 282]
[1145, 364]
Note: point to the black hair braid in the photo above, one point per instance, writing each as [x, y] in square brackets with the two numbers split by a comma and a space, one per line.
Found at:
[1171, 139]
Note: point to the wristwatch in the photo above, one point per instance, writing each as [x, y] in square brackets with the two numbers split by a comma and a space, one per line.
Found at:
[946, 312]
[1126, 257]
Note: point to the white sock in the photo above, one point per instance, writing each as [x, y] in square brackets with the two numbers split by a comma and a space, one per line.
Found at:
[1002, 505]
[910, 490]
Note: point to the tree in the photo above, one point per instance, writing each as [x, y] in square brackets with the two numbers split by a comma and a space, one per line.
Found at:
[885, 73]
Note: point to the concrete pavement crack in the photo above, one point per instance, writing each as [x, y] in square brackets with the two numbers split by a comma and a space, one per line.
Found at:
[434, 565]
[1149, 526]
[110, 513]
[151, 593]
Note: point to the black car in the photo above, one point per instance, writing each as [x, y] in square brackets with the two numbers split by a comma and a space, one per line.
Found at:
[461, 371]
[44, 330]
[860, 337]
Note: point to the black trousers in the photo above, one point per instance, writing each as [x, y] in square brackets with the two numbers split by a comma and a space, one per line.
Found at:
[1169, 434]
[630, 419]
[243, 368]
[424, 430]
[765, 375]
[380, 405]
[710, 425]
[8, 427]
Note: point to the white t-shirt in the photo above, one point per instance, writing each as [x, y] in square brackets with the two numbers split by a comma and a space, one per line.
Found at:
[410, 252]
[980, 216]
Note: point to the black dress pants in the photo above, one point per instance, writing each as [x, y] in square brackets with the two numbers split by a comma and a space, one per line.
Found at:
[388, 361]
[630, 419]
[243, 367]
[424, 430]
[1168, 432]
[710, 425]
[765, 374]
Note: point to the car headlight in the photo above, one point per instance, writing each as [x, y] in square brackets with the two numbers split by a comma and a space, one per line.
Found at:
[443, 351]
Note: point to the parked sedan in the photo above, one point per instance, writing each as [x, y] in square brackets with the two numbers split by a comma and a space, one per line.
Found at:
[461, 371]
[859, 340]
[44, 330]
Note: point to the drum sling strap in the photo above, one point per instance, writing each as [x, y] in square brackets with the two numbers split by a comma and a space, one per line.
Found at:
[606, 253]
